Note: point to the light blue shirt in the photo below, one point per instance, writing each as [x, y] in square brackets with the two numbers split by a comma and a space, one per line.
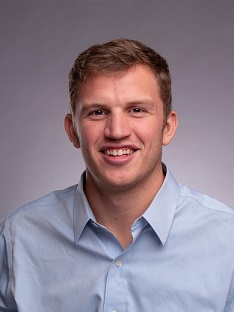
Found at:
[55, 257]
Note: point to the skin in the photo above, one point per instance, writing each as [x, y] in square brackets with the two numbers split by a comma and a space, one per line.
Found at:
[122, 115]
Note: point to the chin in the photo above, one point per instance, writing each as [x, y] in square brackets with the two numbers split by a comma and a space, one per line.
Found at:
[120, 184]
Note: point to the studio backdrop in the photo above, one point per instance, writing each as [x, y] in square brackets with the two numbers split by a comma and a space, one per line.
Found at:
[41, 39]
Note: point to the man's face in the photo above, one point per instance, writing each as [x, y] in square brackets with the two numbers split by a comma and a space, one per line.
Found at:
[119, 122]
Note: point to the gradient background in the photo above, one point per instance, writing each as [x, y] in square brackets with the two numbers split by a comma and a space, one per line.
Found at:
[40, 40]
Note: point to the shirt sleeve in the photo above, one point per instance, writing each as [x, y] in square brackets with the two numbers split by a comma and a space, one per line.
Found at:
[5, 304]
[230, 299]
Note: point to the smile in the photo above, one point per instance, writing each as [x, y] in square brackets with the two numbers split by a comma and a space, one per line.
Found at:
[118, 152]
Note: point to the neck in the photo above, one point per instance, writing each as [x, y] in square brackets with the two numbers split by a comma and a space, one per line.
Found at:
[118, 209]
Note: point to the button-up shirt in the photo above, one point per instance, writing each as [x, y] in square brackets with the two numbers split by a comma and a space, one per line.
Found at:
[55, 257]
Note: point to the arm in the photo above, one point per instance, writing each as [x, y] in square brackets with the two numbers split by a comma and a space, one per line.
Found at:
[229, 307]
[6, 305]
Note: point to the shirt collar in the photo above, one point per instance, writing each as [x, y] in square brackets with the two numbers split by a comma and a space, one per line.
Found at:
[159, 215]
[161, 212]
[82, 211]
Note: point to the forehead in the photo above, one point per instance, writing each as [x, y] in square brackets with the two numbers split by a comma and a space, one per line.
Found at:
[119, 73]
[136, 79]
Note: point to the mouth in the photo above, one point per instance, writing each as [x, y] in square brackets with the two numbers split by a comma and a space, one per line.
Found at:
[117, 152]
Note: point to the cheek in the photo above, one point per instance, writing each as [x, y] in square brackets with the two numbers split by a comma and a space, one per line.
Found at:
[88, 134]
[150, 133]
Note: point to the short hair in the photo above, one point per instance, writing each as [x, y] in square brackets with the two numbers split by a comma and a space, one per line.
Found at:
[114, 57]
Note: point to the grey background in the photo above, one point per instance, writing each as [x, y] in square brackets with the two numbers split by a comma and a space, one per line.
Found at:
[39, 42]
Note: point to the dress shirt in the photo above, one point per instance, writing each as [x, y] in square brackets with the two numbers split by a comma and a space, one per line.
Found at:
[55, 257]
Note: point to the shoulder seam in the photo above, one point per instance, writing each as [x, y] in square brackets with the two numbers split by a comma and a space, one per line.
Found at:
[210, 208]
[30, 205]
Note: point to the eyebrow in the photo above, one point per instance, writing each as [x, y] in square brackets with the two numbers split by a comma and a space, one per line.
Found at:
[147, 102]
[89, 106]
[134, 102]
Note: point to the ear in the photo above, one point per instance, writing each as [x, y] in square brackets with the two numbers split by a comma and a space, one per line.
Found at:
[71, 131]
[170, 128]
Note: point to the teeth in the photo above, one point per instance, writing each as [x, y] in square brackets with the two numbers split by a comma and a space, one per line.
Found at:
[118, 152]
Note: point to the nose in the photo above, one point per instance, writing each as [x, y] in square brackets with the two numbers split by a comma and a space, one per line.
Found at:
[117, 126]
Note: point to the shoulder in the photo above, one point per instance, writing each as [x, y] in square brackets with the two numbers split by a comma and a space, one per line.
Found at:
[51, 202]
[204, 200]
[206, 221]
[193, 199]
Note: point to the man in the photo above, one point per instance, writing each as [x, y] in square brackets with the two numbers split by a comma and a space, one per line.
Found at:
[128, 237]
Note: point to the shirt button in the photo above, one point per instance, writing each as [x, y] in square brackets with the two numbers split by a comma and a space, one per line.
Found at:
[118, 263]
[113, 311]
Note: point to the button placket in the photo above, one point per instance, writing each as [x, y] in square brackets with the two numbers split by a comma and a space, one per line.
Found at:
[115, 295]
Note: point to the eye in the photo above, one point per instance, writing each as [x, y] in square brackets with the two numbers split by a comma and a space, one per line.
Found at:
[137, 110]
[98, 112]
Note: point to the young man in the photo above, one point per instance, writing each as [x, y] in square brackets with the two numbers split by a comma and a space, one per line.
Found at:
[128, 237]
